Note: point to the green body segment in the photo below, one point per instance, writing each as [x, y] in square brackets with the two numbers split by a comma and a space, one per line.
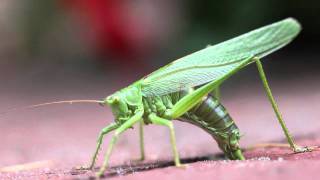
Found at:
[209, 114]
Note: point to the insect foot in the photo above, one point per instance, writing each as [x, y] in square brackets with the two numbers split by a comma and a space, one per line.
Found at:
[85, 167]
[300, 149]
[137, 160]
[182, 166]
[100, 174]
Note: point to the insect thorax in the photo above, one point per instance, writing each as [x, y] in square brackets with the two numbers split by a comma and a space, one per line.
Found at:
[160, 104]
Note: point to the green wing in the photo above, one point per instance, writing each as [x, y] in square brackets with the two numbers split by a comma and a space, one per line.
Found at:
[215, 62]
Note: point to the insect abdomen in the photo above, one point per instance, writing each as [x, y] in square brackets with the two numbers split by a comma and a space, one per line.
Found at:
[211, 116]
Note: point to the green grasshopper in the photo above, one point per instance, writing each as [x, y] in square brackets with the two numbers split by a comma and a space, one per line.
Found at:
[182, 90]
[188, 90]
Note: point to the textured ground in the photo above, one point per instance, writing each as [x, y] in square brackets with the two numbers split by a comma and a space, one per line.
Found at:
[52, 141]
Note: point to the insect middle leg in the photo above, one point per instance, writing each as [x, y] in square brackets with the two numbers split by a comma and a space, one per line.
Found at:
[141, 135]
[290, 140]
[164, 122]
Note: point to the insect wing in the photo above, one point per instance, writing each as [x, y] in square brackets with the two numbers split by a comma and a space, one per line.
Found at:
[215, 62]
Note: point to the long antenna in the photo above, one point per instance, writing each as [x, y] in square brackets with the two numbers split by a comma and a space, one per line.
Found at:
[51, 103]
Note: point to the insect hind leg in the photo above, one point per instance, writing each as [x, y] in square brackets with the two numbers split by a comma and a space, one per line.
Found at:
[294, 147]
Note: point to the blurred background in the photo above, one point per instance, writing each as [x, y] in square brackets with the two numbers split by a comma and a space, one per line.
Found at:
[108, 38]
[79, 49]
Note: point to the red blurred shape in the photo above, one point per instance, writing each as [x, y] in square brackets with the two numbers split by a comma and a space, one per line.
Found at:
[112, 28]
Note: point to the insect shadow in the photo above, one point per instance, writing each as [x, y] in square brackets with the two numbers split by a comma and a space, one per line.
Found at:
[122, 170]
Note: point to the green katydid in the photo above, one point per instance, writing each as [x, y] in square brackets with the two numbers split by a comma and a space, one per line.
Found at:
[181, 90]
[187, 89]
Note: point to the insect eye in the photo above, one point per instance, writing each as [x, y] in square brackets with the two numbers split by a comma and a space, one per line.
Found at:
[116, 99]
[113, 99]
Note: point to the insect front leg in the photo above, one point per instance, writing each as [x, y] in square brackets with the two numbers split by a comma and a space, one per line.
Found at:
[290, 140]
[129, 123]
[103, 132]
[164, 122]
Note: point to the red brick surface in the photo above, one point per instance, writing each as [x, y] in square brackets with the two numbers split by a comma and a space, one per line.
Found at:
[52, 141]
